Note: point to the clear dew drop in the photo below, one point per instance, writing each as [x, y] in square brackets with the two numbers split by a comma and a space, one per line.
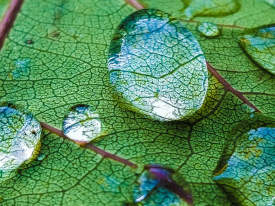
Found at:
[157, 66]
[259, 44]
[251, 163]
[19, 140]
[209, 29]
[195, 8]
[82, 124]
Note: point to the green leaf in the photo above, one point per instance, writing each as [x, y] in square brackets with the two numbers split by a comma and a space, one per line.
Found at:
[67, 45]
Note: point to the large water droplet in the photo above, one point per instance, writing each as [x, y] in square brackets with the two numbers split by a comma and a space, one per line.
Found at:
[259, 44]
[249, 173]
[209, 7]
[209, 29]
[19, 140]
[157, 66]
[82, 124]
[270, 2]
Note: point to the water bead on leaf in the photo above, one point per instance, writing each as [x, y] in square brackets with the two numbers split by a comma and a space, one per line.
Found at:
[209, 29]
[209, 8]
[259, 44]
[82, 124]
[249, 173]
[157, 66]
[270, 2]
[156, 187]
[19, 140]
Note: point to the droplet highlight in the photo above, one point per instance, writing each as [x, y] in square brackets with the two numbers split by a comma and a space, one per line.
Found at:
[209, 29]
[193, 8]
[82, 124]
[19, 140]
[259, 44]
[249, 173]
[270, 2]
[157, 66]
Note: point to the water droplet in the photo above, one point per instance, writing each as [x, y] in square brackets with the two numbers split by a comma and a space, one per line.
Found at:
[249, 173]
[259, 44]
[19, 140]
[157, 66]
[22, 68]
[156, 187]
[209, 8]
[270, 2]
[41, 157]
[209, 29]
[82, 124]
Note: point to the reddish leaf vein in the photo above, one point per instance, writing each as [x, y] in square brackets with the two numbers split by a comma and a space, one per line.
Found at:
[230, 88]
[9, 19]
[90, 146]
[135, 4]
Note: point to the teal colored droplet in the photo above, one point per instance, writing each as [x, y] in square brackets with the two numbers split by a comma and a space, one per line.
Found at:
[209, 29]
[259, 44]
[22, 68]
[41, 157]
[194, 8]
[270, 2]
[157, 66]
[82, 124]
[150, 193]
[249, 173]
[19, 140]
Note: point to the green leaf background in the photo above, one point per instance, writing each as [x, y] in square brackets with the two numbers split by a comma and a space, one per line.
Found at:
[67, 65]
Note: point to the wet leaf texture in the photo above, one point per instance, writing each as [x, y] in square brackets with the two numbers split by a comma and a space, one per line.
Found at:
[157, 66]
[67, 43]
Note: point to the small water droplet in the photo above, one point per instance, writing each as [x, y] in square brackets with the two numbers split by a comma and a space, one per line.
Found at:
[41, 157]
[270, 2]
[253, 162]
[22, 68]
[209, 8]
[82, 124]
[209, 29]
[259, 44]
[19, 140]
[157, 66]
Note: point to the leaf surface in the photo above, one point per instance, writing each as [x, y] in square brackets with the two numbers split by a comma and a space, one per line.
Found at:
[65, 45]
